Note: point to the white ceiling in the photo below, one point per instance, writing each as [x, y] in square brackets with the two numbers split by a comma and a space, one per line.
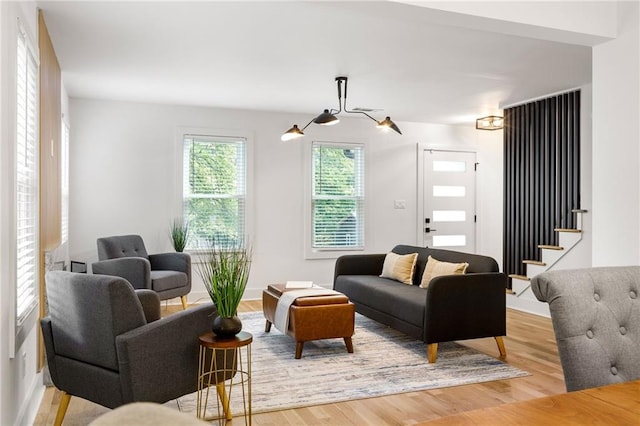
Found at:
[283, 56]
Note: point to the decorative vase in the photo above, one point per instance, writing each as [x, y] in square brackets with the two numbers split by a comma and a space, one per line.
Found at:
[226, 326]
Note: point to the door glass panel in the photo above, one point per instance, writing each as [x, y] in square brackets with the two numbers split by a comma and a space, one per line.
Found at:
[449, 240]
[448, 191]
[449, 216]
[448, 200]
[449, 166]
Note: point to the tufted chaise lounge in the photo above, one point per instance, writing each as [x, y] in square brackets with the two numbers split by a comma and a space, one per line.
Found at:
[596, 319]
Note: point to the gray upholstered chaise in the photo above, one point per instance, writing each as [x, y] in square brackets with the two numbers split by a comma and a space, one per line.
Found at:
[596, 319]
[168, 274]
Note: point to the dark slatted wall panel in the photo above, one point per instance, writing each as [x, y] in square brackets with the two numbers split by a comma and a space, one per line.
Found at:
[542, 175]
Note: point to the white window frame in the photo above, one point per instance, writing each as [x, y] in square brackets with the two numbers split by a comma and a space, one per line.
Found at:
[222, 134]
[24, 320]
[311, 252]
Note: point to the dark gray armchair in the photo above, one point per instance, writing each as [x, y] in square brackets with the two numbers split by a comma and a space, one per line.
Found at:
[105, 342]
[168, 274]
[596, 320]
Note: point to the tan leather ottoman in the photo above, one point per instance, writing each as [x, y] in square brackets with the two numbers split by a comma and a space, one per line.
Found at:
[312, 318]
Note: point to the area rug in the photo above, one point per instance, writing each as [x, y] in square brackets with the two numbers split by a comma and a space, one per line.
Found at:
[384, 362]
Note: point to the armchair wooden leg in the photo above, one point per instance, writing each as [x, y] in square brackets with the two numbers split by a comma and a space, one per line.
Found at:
[299, 346]
[222, 394]
[62, 408]
[184, 302]
[501, 347]
[267, 326]
[432, 352]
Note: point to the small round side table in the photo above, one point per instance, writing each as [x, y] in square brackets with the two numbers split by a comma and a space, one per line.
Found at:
[224, 362]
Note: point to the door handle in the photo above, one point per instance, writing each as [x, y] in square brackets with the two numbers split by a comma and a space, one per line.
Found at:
[429, 230]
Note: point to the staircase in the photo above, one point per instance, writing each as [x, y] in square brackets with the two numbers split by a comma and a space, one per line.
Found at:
[567, 239]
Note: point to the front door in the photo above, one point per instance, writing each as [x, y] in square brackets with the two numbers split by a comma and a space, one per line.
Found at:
[449, 188]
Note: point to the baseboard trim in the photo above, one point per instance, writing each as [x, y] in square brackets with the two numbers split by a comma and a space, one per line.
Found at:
[29, 410]
[527, 305]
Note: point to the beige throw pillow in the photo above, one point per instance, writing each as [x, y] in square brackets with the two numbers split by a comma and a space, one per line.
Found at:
[435, 268]
[399, 267]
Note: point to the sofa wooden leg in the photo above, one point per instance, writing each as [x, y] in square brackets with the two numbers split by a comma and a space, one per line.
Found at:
[349, 344]
[299, 346]
[184, 302]
[501, 348]
[267, 326]
[432, 352]
[62, 408]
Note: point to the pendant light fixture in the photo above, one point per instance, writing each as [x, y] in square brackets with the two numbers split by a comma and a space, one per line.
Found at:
[328, 116]
[490, 122]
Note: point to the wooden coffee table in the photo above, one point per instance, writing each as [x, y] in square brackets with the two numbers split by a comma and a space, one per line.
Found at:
[312, 318]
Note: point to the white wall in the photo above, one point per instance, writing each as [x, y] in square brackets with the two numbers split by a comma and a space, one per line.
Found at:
[616, 143]
[123, 176]
[21, 384]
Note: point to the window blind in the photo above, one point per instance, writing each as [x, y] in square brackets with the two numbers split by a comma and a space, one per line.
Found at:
[337, 196]
[64, 169]
[214, 190]
[26, 180]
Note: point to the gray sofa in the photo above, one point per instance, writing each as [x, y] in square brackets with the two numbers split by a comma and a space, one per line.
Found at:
[596, 320]
[453, 307]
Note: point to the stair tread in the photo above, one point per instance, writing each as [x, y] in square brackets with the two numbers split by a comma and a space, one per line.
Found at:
[519, 277]
[544, 246]
[509, 291]
[568, 230]
[534, 262]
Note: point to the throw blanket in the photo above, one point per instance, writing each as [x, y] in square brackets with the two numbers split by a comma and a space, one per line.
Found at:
[281, 320]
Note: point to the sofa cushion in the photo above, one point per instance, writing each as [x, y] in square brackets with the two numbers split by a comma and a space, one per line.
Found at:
[436, 268]
[168, 280]
[477, 263]
[399, 267]
[405, 302]
[121, 246]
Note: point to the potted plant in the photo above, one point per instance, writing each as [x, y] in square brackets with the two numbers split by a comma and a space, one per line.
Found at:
[224, 272]
[179, 235]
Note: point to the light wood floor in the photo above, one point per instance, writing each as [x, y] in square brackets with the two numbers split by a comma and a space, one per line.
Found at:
[530, 346]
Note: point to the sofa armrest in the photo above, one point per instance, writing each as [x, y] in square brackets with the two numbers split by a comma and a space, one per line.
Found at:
[136, 270]
[171, 262]
[159, 361]
[47, 338]
[150, 302]
[359, 264]
[466, 306]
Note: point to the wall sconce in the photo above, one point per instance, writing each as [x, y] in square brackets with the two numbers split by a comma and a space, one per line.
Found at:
[490, 122]
[328, 117]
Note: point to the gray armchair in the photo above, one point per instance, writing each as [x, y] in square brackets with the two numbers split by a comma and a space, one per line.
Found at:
[596, 320]
[106, 342]
[168, 274]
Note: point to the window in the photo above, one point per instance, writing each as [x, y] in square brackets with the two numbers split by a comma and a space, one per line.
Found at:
[337, 196]
[214, 190]
[26, 180]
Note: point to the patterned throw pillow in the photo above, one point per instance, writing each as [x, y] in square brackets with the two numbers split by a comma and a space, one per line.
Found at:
[435, 268]
[399, 267]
